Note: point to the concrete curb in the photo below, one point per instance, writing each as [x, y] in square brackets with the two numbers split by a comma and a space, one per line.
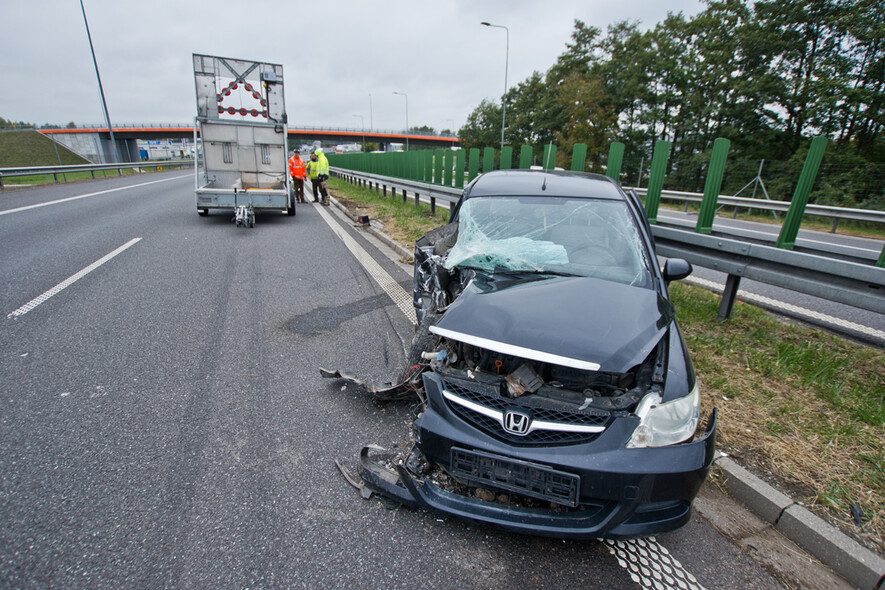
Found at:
[845, 556]
[848, 558]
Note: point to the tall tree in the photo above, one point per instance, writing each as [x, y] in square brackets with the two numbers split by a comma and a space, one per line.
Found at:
[482, 127]
[590, 119]
[801, 44]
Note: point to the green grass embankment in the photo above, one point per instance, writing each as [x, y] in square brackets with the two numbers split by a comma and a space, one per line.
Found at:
[28, 147]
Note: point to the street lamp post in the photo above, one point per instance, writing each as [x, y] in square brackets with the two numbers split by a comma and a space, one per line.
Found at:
[407, 116]
[452, 129]
[371, 123]
[363, 127]
[104, 104]
[506, 67]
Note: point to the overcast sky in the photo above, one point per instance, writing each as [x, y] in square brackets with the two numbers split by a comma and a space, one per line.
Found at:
[334, 54]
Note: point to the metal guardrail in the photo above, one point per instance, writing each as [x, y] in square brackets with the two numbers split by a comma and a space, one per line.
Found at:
[854, 284]
[432, 192]
[93, 168]
[828, 211]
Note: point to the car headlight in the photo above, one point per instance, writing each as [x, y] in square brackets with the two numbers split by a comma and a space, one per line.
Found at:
[666, 424]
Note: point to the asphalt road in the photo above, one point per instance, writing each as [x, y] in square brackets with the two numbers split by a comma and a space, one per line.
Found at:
[163, 422]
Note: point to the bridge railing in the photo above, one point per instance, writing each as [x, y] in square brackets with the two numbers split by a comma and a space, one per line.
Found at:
[292, 129]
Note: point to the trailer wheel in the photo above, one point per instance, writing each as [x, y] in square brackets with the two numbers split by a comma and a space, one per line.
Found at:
[291, 210]
[202, 212]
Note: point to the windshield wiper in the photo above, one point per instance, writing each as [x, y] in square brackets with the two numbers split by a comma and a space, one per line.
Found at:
[531, 271]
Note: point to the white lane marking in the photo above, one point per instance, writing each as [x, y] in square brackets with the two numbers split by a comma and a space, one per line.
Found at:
[70, 281]
[399, 295]
[770, 234]
[65, 200]
[789, 307]
[651, 565]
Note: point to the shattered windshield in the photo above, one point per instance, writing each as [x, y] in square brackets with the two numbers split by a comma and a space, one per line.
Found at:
[583, 237]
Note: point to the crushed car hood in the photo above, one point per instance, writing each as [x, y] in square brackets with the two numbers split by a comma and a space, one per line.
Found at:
[597, 322]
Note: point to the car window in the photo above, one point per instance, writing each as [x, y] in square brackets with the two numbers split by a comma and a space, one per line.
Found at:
[586, 237]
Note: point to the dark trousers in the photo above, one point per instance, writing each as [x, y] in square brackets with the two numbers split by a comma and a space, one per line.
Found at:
[324, 188]
[298, 186]
[315, 185]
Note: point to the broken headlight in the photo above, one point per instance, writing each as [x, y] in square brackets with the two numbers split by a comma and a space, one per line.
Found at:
[666, 424]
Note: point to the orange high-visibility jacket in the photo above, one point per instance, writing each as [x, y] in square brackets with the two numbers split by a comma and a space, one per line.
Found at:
[297, 168]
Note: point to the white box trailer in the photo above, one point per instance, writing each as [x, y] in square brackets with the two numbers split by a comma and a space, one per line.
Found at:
[241, 120]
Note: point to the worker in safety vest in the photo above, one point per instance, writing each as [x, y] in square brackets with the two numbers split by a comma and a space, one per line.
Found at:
[323, 174]
[298, 171]
[313, 172]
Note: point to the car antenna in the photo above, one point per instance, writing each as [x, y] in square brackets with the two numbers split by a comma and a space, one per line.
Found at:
[549, 151]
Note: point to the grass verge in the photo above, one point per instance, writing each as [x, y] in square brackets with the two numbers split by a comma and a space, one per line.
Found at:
[403, 222]
[799, 407]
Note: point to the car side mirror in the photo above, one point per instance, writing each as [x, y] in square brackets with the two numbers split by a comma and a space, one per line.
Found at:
[676, 269]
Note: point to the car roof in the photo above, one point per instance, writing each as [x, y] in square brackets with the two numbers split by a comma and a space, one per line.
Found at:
[544, 183]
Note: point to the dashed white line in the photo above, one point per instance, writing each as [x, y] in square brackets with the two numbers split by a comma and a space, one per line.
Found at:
[68, 199]
[70, 280]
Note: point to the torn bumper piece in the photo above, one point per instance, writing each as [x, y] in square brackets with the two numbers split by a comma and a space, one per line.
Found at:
[647, 500]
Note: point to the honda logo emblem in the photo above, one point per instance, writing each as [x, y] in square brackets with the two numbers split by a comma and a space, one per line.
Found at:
[516, 422]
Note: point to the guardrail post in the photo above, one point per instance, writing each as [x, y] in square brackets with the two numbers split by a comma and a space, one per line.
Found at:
[715, 172]
[438, 166]
[459, 169]
[790, 228]
[506, 157]
[488, 159]
[881, 262]
[729, 294]
[432, 206]
[1, 180]
[615, 159]
[448, 165]
[473, 164]
[549, 161]
[579, 157]
[525, 157]
[656, 179]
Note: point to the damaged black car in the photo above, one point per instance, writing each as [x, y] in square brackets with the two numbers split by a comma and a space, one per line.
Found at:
[559, 397]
